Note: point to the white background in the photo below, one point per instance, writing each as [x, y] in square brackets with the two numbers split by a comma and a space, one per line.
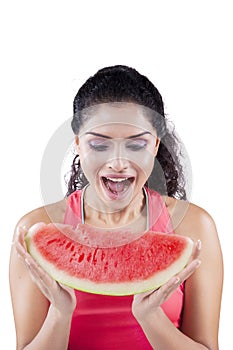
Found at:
[49, 48]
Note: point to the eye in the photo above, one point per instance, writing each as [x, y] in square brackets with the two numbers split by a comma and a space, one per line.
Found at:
[136, 145]
[98, 145]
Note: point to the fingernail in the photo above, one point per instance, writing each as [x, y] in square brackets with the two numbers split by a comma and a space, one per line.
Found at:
[198, 263]
[177, 280]
[27, 262]
[199, 244]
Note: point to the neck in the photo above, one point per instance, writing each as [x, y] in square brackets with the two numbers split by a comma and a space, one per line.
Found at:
[98, 215]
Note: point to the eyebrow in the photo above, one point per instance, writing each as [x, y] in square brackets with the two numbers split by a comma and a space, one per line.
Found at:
[108, 137]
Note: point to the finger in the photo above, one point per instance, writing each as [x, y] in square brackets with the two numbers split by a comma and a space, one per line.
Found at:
[38, 271]
[189, 270]
[140, 296]
[20, 234]
[168, 288]
[42, 279]
[20, 245]
[171, 285]
[21, 250]
[29, 262]
[158, 296]
[67, 288]
[196, 250]
[43, 276]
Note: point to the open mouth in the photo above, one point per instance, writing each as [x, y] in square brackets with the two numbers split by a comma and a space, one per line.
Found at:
[117, 186]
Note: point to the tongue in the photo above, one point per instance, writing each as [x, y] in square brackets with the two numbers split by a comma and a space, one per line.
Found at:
[117, 186]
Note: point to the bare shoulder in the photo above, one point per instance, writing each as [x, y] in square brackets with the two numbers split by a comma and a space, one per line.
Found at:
[200, 320]
[190, 220]
[53, 212]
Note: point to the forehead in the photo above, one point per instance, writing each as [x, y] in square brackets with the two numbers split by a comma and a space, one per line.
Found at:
[117, 117]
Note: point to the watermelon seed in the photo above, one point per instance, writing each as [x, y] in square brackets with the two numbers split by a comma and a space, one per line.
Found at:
[95, 256]
[52, 241]
[62, 243]
[128, 258]
[106, 267]
[89, 257]
[68, 245]
[81, 257]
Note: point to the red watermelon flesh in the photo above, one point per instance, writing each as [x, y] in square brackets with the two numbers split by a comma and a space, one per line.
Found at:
[107, 262]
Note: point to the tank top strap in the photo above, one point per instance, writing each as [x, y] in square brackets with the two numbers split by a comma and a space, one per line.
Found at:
[159, 218]
[73, 213]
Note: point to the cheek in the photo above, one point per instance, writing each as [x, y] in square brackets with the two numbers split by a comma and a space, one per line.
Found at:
[145, 164]
[91, 163]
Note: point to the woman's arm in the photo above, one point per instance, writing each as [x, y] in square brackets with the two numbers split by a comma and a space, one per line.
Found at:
[42, 307]
[203, 290]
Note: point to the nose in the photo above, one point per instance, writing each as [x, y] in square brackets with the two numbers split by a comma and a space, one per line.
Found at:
[118, 160]
[117, 164]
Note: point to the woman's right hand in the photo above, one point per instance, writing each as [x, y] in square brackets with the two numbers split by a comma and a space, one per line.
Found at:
[62, 298]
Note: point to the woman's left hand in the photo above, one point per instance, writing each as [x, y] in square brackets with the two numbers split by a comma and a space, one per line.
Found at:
[146, 303]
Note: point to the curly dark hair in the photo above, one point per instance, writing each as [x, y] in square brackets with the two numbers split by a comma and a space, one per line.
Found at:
[125, 84]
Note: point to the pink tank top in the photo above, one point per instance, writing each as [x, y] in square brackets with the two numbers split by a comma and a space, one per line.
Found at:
[103, 322]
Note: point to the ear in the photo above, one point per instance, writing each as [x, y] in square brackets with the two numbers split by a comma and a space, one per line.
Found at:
[77, 147]
[156, 146]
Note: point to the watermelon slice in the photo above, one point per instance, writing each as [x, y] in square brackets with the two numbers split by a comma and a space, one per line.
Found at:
[107, 262]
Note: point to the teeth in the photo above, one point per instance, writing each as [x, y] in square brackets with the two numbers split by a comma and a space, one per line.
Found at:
[117, 179]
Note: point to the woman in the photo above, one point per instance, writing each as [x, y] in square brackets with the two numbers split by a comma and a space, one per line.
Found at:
[127, 175]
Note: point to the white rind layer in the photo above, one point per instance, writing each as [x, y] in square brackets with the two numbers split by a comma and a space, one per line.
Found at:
[118, 289]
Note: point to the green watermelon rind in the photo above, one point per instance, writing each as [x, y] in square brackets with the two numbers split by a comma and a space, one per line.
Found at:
[114, 289]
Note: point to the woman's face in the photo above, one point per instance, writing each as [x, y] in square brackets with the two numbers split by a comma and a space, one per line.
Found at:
[117, 146]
